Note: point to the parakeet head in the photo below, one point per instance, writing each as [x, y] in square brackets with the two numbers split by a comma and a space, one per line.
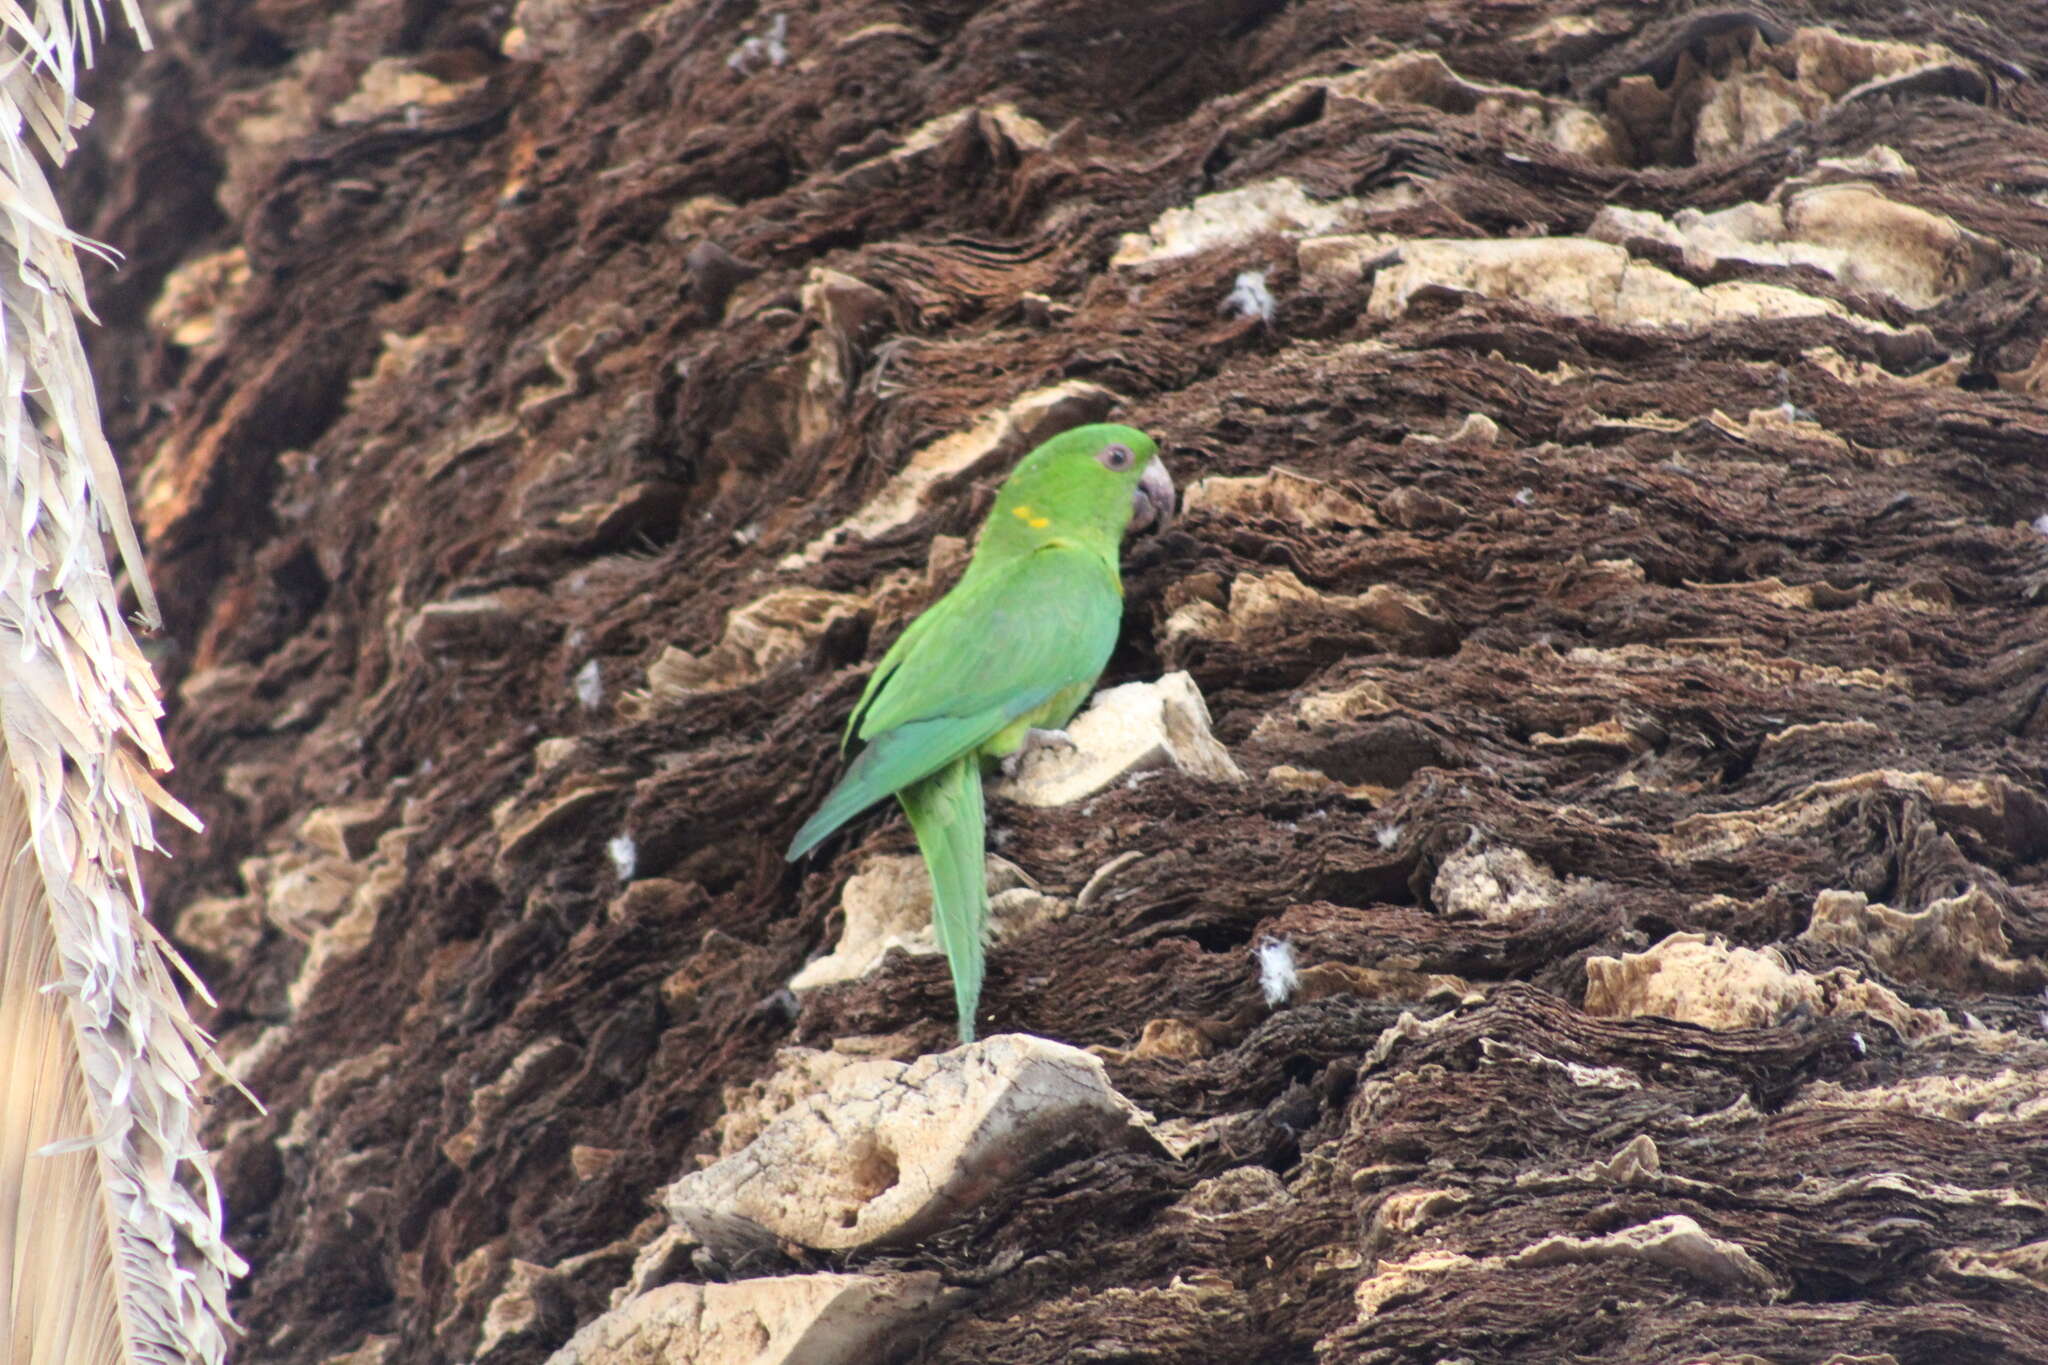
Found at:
[1089, 485]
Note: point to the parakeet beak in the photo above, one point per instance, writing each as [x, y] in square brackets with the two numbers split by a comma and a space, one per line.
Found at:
[1152, 502]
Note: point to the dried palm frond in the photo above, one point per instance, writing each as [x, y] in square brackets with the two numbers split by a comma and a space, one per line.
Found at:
[110, 1242]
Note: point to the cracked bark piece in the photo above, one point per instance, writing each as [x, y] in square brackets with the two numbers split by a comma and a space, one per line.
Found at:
[1676, 1241]
[1278, 493]
[763, 635]
[1582, 278]
[1224, 219]
[777, 1320]
[1701, 980]
[1127, 730]
[888, 904]
[1696, 980]
[1850, 230]
[1957, 941]
[1279, 602]
[1501, 885]
[891, 1152]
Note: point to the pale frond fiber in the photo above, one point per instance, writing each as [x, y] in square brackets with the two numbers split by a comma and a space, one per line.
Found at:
[110, 1242]
[51, 1211]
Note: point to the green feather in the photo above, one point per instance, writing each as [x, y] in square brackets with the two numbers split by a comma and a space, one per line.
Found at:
[946, 815]
[900, 757]
[1018, 642]
[989, 653]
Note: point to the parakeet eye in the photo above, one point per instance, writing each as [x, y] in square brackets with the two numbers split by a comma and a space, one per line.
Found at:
[1115, 457]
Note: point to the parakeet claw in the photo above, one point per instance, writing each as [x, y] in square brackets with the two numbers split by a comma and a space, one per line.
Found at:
[1034, 740]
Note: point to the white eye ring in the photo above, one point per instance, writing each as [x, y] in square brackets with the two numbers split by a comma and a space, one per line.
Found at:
[1114, 457]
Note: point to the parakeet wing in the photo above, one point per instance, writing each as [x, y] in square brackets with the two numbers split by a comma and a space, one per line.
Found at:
[992, 650]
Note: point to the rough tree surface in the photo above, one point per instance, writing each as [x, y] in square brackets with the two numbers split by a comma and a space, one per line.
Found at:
[1617, 583]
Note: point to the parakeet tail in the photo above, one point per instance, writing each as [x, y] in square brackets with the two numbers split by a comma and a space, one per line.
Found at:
[946, 814]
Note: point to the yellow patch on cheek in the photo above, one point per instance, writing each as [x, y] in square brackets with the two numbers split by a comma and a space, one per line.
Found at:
[1023, 514]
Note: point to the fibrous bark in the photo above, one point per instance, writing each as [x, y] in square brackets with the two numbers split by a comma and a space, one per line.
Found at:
[1612, 562]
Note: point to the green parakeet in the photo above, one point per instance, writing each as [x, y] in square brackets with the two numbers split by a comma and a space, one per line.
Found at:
[1014, 648]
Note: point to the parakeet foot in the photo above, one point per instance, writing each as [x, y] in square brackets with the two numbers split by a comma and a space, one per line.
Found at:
[1034, 740]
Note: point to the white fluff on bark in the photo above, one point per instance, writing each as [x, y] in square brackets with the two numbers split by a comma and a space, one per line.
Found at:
[110, 1242]
[1249, 297]
[1278, 975]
